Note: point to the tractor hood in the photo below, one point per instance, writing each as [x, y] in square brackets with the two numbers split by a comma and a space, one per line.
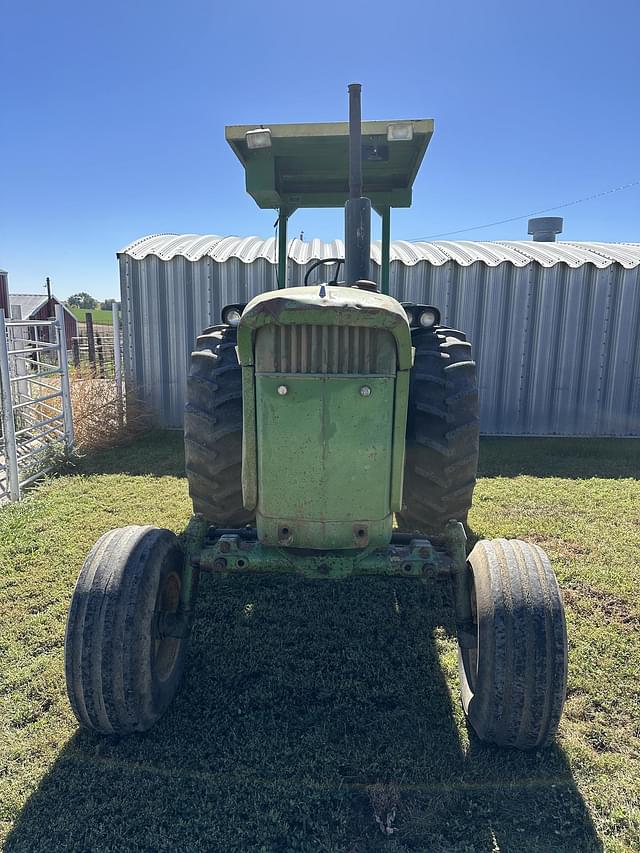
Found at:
[324, 305]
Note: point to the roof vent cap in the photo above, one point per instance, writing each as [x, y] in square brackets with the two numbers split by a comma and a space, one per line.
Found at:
[545, 228]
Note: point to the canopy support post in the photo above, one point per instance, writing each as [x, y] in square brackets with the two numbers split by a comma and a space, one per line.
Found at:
[386, 249]
[283, 216]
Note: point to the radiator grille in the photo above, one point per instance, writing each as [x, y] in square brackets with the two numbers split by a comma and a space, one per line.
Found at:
[325, 349]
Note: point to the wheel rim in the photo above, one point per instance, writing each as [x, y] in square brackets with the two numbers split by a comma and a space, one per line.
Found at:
[166, 648]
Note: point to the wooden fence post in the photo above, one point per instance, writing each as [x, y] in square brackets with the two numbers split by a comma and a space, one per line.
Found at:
[91, 341]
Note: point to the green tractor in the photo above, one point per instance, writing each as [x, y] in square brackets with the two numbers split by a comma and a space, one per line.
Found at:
[315, 416]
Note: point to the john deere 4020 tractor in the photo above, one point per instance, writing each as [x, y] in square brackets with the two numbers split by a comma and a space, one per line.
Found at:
[315, 416]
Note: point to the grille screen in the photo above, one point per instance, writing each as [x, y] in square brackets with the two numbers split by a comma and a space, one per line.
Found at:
[325, 349]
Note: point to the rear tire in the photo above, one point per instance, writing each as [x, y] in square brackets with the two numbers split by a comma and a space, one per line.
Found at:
[443, 432]
[121, 672]
[213, 429]
[514, 682]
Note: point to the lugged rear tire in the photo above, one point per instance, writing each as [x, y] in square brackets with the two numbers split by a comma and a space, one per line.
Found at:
[213, 429]
[443, 432]
[121, 671]
[514, 681]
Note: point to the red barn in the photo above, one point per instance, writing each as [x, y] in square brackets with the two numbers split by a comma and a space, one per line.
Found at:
[35, 306]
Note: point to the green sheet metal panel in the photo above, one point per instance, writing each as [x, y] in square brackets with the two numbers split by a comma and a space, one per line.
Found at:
[324, 459]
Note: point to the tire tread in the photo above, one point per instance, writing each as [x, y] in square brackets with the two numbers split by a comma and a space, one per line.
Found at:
[443, 430]
[515, 693]
[109, 631]
[213, 429]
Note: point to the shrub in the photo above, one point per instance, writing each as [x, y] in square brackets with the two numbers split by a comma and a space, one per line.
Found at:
[101, 417]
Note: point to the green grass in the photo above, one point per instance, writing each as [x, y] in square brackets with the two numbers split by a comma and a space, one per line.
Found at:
[100, 318]
[308, 707]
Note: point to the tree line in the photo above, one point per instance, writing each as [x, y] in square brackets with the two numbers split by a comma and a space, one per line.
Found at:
[88, 302]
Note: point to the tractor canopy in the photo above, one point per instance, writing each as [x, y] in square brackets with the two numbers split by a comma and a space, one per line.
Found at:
[291, 166]
[307, 165]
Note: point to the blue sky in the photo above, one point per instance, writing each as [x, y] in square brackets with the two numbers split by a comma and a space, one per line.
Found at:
[112, 117]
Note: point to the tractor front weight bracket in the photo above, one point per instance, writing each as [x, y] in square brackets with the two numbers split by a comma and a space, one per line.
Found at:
[456, 544]
[234, 551]
[178, 625]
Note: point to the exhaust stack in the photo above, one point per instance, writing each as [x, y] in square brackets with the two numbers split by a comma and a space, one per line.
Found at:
[357, 211]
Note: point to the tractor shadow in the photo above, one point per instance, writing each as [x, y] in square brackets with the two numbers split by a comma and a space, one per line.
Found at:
[309, 708]
[569, 458]
[158, 453]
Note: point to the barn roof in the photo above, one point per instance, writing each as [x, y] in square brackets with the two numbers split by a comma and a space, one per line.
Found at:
[519, 253]
[31, 303]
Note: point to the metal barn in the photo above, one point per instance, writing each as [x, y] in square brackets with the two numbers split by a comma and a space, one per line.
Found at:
[555, 326]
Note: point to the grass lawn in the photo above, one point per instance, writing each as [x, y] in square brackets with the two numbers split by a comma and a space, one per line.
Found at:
[100, 318]
[310, 707]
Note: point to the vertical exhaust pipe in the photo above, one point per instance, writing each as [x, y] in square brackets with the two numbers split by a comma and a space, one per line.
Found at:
[357, 211]
[355, 141]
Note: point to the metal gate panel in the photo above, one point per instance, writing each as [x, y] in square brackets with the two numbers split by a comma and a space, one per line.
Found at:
[36, 403]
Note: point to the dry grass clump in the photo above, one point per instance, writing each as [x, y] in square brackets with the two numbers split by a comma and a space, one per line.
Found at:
[101, 417]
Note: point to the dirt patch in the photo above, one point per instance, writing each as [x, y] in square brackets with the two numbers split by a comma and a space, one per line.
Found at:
[583, 597]
[564, 548]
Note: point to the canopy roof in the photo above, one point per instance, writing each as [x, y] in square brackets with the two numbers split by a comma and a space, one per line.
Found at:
[307, 165]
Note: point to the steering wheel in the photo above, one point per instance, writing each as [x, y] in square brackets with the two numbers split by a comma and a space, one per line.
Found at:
[334, 280]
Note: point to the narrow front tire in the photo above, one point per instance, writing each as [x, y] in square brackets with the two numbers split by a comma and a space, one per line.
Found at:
[514, 680]
[121, 670]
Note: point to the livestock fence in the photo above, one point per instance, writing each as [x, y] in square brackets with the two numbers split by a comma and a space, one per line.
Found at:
[97, 349]
[36, 415]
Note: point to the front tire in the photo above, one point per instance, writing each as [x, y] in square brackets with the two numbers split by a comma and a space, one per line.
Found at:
[121, 671]
[514, 681]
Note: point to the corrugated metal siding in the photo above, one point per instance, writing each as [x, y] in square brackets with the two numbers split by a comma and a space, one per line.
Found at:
[165, 306]
[557, 348]
[557, 344]
[464, 252]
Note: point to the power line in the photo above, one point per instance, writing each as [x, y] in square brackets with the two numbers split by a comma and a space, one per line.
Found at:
[529, 215]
